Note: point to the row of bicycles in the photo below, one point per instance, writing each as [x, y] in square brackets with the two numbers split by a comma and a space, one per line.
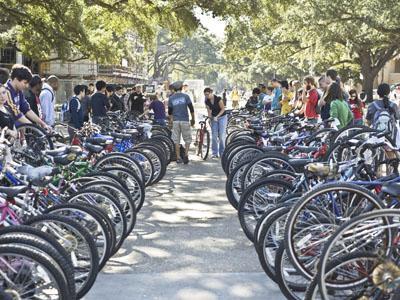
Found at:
[321, 205]
[67, 205]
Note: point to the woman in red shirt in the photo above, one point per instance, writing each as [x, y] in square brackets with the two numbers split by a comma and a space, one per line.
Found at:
[356, 107]
[310, 99]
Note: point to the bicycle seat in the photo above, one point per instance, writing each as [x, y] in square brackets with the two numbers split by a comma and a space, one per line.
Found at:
[65, 159]
[96, 140]
[392, 189]
[57, 152]
[122, 136]
[12, 191]
[93, 148]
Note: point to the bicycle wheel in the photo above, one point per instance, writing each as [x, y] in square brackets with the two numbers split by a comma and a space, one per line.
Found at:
[233, 185]
[257, 199]
[28, 273]
[316, 216]
[205, 145]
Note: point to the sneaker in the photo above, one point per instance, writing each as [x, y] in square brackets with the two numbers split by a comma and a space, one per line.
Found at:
[179, 161]
[214, 156]
[186, 160]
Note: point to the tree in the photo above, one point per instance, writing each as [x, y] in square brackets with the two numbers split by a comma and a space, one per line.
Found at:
[311, 36]
[195, 56]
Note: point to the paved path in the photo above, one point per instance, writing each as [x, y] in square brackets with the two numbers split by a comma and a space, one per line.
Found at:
[187, 245]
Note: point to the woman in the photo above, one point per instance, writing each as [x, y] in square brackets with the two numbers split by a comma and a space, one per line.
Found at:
[287, 96]
[356, 108]
[6, 119]
[339, 110]
[299, 105]
[216, 113]
[381, 105]
[235, 98]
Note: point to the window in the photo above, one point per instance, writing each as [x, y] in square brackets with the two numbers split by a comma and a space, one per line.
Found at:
[7, 56]
[397, 65]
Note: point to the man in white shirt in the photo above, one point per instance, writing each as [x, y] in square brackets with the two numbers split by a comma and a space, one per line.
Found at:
[48, 100]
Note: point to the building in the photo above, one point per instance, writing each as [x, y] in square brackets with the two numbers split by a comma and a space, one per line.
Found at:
[390, 73]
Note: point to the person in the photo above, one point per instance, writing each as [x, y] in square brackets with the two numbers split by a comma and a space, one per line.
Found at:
[126, 98]
[6, 119]
[275, 105]
[253, 101]
[268, 98]
[235, 98]
[287, 96]
[137, 100]
[299, 106]
[76, 110]
[48, 100]
[356, 107]
[19, 107]
[159, 110]
[178, 105]
[4, 74]
[32, 95]
[333, 76]
[224, 97]
[310, 99]
[261, 96]
[85, 102]
[339, 110]
[90, 89]
[218, 121]
[117, 103]
[378, 106]
[99, 101]
[323, 106]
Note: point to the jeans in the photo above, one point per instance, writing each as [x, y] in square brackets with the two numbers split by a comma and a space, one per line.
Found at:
[218, 131]
[160, 122]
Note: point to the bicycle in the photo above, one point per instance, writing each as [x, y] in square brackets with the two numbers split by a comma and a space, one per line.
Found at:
[203, 139]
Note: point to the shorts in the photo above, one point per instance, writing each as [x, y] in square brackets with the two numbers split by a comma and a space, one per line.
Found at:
[181, 128]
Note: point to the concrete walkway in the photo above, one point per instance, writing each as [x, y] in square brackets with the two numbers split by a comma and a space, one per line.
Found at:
[187, 244]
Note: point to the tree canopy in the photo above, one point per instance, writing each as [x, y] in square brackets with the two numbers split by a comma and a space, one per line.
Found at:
[302, 36]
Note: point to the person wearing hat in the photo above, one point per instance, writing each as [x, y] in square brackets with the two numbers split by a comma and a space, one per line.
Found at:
[48, 100]
[178, 105]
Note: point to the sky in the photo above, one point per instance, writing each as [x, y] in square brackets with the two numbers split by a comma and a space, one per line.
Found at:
[214, 25]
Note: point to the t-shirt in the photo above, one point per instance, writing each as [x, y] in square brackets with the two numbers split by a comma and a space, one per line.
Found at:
[276, 98]
[6, 120]
[98, 104]
[310, 112]
[158, 108]
[215, 108]
[16, 102]
[285, 103]
[179, 103]
[357, 111]
[341, 111]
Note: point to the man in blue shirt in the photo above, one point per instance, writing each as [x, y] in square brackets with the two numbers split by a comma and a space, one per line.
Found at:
[276, 105]
[178, 115]
[19, 107]
[99, 102]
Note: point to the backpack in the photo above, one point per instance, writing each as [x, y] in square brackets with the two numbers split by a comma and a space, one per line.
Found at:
[65, 112]
[383, 119]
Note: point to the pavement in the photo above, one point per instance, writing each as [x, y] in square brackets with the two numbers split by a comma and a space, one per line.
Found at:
[187, 245]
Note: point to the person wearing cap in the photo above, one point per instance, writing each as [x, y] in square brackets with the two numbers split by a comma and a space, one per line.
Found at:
[48, 100]
[178, 105]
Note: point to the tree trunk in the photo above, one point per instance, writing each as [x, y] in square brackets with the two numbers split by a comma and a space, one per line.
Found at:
[368, 85]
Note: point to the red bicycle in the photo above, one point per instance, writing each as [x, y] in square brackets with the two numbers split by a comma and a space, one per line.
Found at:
[203, 139]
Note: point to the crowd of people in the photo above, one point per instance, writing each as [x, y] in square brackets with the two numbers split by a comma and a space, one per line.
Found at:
[325, 100]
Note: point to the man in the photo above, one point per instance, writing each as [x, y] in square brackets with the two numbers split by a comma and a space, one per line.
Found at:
[310, 99]
[218, 120]
[137, 100]
[91, 89]
[48, 100]
[159, 110]
[332, 76]
[19, 107]
[275, 105]
[253, 101]
[76, 111]
[85, 102]
[224, 97]
[187, 91]
[99, 101]
[178, 105]
[4, 74]
[262, 95]
[117, 103]
[32, 95]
